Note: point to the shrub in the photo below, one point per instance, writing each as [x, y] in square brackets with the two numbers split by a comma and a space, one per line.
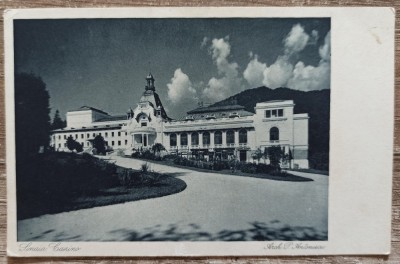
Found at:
[129, 178]
[78, 147]
[147, 154]
[99, 144]
[144, 168]
[264, 168]
[169, 156]
[248, 168]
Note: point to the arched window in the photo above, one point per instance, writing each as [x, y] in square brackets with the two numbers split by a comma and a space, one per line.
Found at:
[195, 139]
[184, 139]
[242, 136]
[206, 138]
[218, 137]
[172, 140]
[230, 137]
[274, 134]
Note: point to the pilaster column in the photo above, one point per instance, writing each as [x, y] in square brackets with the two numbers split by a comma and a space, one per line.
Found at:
[212, 139]
[237, 137]
[224, 138]
[200, 139]
[189, 140]
[178, 140]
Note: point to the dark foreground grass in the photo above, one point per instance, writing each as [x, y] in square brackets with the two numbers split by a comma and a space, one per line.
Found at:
[166, 186]
[62, 182]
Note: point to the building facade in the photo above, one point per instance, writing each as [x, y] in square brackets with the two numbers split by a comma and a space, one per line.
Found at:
[210, 132]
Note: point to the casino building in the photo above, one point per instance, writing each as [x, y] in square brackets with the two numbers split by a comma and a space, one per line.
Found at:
[208, 132]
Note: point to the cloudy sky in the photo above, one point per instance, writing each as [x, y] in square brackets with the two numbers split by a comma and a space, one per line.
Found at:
[103, 62]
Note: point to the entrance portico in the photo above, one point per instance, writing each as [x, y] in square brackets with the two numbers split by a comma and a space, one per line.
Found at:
[143, 137]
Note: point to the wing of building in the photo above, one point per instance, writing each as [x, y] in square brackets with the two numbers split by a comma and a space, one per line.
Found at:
[208, 132]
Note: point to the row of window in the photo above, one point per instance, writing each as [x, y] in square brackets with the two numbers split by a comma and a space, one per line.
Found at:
[230, 138]
[274, 113]
[82, 135]
[113, 143]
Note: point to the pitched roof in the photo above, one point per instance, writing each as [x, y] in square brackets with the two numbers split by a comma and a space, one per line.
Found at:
[85, 108]
[220, 114]
[209, 109]
[111, 118]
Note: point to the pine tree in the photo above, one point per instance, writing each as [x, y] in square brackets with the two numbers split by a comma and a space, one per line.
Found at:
[57, 121]
[32, 121]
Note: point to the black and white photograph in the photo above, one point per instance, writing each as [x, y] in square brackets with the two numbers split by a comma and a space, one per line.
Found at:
[173, 129]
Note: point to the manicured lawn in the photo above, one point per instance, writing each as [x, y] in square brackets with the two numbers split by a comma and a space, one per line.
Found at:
[61, 182]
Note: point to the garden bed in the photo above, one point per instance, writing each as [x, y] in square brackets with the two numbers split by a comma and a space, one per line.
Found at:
[282, 176]
[61, 182]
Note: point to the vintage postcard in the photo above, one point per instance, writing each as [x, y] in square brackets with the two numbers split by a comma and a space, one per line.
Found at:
[199, 131]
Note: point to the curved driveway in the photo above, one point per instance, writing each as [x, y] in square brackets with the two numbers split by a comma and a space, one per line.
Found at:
[212, 203]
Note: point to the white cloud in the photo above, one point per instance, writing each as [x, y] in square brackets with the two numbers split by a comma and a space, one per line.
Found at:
[283, 73]
[325, 50]
[308, 78]
[180, 88]
[313, 38]
[228, 82]
[204, 42]
[296, 40]
[254, 72]
[278, 74]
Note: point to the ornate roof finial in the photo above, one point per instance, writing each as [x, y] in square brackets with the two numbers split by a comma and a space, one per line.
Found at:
[150, 82]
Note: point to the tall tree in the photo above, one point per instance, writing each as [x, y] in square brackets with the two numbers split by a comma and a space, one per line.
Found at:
[71, 143]
[32, 121]
[99, 144]
[57, 121]
[275, 155]
[157, 148]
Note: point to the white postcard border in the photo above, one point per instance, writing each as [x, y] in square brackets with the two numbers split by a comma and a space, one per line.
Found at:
[361, 136]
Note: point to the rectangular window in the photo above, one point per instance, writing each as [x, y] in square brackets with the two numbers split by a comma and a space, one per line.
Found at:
[106, 134]
[59, 145]
[59, 137]
[119, 134]
[94, 134]
[82, 135]
[88, 135]
[268, 113]
[273, 113]
[280, 112]
[88, 144]
[126, 133]
[112, 134]
[112, 143]
[144, 124]
[126, 142]
[119, 142]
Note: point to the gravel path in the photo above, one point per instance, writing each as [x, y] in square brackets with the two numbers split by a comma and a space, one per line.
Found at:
[213, 207]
